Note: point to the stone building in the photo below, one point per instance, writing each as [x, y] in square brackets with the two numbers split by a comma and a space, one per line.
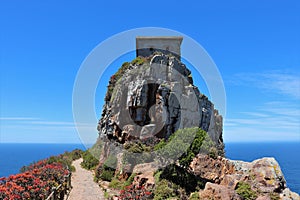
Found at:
[146, 46]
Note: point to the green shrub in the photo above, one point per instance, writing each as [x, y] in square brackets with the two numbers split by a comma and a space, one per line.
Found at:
[116, 184]
[107, 170]
[129, 180]
[164, 190]
[106, 195]
[157, 175]
[107, 175]
[182, 178]
[160, 145]
[72, 168]
[194, 196]
[245, 191]
[183, 145]
[137, 61]
[209, 147]
[121, 71]
[114, 79]
[89, 161]
[137, 153]
[274, 196]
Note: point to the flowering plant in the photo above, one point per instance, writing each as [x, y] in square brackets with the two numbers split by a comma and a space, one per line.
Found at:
[35, 183]
[132, 192]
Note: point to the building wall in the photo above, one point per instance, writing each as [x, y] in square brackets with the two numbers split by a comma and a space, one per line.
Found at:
[145, 46]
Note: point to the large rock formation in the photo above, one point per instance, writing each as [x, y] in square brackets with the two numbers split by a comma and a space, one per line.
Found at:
[148, 100]
[263, 176]
[261, 179]
[152, 98]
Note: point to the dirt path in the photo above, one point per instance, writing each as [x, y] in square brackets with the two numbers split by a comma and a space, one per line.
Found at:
[84, 188]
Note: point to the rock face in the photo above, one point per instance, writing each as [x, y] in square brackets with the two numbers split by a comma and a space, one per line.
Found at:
[223, 175]
[263, 177]
[152, 98]
[149, 99]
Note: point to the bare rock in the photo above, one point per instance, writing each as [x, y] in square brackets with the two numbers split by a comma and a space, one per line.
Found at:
[263, 198]
[213, 170]
[145, 175]
[156, 98]
[287, 194]
[267, 175]
[218, 192]
[147, 131]
[263, 175]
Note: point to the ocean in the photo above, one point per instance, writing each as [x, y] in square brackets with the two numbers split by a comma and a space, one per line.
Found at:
[14, 156]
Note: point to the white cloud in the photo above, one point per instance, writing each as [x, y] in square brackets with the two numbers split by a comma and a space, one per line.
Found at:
[254, 134]
[255, 114]
[274, 121]
[278, 81]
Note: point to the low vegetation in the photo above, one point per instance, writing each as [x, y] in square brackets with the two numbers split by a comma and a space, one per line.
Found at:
[138, 61]
[185, 144]
[165, 189]
[116, 77]
[137, 192]
[137, 153]
[175, 180]
[89, 160]
[182, 178]
[194, 196]
[36, 180]
[106, 172]
[245, 191]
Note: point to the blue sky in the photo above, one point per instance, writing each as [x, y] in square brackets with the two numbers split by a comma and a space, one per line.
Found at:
[255, 45]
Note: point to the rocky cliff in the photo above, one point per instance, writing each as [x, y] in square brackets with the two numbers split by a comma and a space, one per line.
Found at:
[152, 98]
[225, 179]
[151, 105]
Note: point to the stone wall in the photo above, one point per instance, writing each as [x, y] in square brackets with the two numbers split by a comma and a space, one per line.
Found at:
[146, 46]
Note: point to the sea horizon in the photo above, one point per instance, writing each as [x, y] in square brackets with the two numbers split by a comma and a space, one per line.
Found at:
[16, 155]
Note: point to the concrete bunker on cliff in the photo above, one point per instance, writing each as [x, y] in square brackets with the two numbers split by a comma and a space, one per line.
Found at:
[147, 45]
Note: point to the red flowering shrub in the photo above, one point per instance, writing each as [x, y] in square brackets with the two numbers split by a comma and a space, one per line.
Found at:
[135, 192]
[35, 183]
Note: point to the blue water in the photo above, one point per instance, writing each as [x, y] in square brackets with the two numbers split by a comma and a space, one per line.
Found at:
[286, 154]
[14, 156]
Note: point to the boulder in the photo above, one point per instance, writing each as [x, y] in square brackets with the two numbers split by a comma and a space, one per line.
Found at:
[145, 174]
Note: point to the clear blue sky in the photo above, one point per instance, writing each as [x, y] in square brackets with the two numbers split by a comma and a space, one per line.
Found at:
[255, 44]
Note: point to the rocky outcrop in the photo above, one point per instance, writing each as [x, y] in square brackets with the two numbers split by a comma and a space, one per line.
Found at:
[152, 98]
[227, 179]
[148, 100]
[264, 177]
